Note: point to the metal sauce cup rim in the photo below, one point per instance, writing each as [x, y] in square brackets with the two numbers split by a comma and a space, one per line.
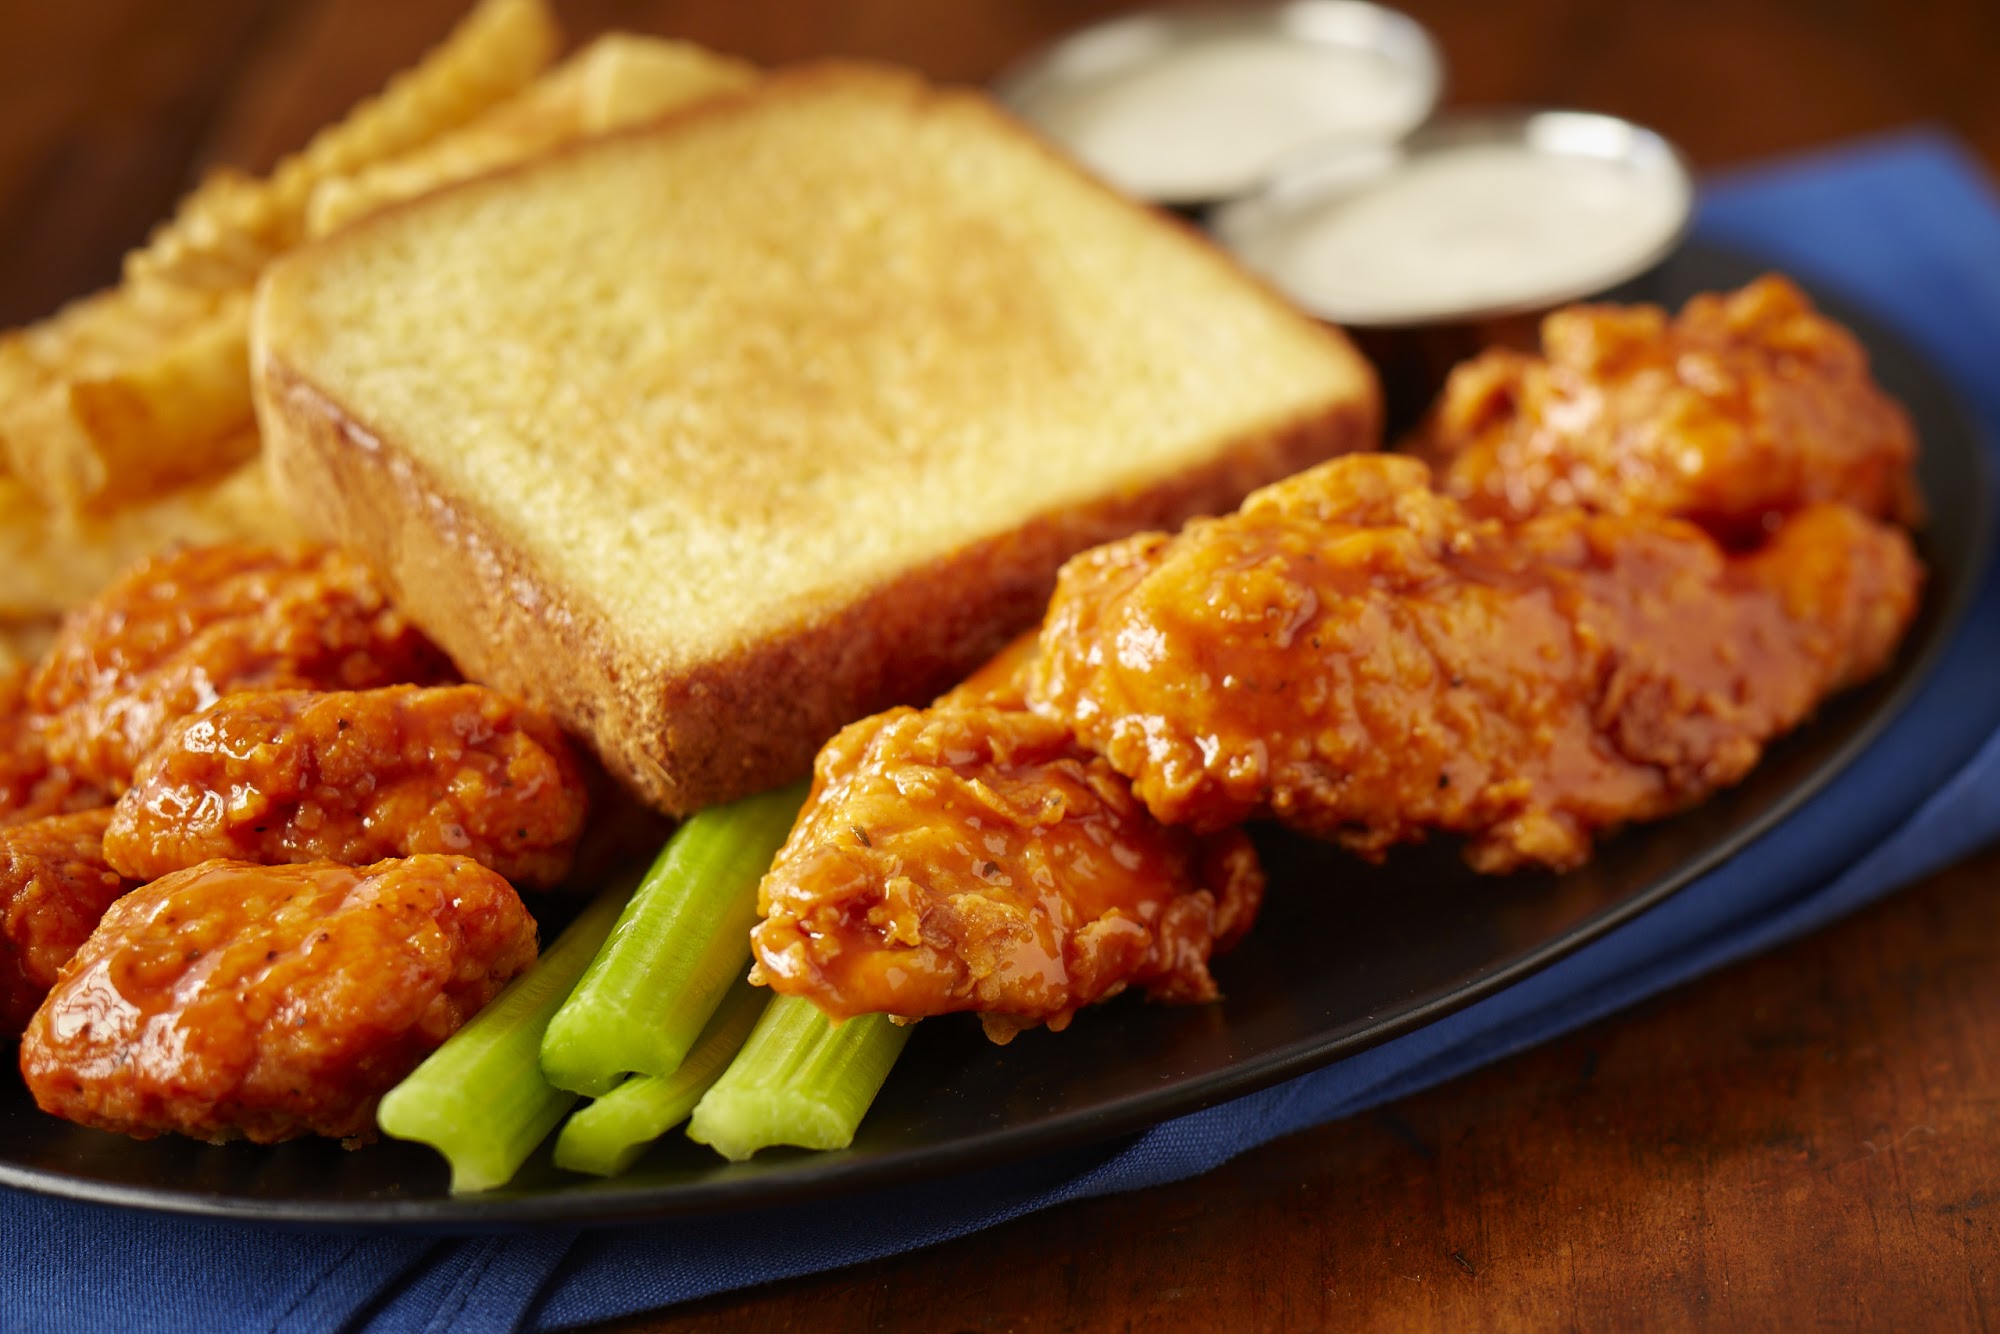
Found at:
[1310, 177]
[1127, 41]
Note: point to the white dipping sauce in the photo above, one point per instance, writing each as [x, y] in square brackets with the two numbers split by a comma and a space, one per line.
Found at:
[1474, 227]
[1211, 117]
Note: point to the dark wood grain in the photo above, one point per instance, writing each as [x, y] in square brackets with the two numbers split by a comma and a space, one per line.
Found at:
[1807, 1139]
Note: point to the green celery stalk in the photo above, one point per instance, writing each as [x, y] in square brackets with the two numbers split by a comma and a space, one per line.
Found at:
[480, 1099]
[606, 1137]
[800, 1079]
[680, 942]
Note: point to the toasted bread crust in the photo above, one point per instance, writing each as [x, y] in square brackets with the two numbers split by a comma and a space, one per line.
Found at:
[739, 725]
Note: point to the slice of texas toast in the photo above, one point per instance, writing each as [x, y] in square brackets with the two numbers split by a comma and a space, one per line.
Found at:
[715, 435]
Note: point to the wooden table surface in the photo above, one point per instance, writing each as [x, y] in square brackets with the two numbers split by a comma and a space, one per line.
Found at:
[1806, 1139]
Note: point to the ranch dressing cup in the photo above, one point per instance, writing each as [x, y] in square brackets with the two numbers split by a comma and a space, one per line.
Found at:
[1464, 234]
[1188, 106]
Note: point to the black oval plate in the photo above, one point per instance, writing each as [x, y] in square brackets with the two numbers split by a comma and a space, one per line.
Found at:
[1417, 939]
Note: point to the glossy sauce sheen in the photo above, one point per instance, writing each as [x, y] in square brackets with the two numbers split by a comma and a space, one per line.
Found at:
[973, 858]
[271, 1001]
[354, 777]
[1354, 655]
[1743, 408]
[181, 631]
[54, 886]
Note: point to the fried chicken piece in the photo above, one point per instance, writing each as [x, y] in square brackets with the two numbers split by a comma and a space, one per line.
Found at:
[1744, 408]
[1356, 656]
[354, 777]
[182, 630]
[269, 1002]
[32, 788]
[54, 886]
[972, 858]
[1002, 681]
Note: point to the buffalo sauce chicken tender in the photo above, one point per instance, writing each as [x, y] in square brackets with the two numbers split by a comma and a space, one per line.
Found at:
[1745, 407]
[267, 1002]
[354, 777]
[182, 630]
[1353, 654]
[965, 857]
[32, 787]
[54, 886]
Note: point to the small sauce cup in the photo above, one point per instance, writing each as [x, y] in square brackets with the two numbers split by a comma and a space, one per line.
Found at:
[1463, 234]
[1188, 106]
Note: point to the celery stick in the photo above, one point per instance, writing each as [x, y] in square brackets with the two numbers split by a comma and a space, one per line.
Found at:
[608, 1135]
[480, 1099]
[799, 1079]
[681, 941]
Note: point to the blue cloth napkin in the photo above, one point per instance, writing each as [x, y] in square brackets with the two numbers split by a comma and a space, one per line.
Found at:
[1906, 226]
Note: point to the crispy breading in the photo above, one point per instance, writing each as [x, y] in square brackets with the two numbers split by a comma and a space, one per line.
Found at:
[1742, 408]
[974, 858]
[1356, 656]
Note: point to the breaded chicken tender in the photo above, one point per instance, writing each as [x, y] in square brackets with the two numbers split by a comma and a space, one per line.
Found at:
[974, 858]
[357, 776]
[1743, 408]
[1356, 656]
[268, 1002]
[182, 630]
[54, 886]
[31, 786]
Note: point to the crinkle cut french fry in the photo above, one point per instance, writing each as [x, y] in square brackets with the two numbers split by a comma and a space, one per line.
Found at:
[619, 79]
[492, 54]
[130, 390]
[55, 559]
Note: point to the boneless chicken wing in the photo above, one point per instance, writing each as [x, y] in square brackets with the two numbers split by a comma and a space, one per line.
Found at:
[974, 858]
[31, 786]
[54, 886]
[182, 630]
[268, 1002]
[354, 777]
[1745, 407]
[1355, 655]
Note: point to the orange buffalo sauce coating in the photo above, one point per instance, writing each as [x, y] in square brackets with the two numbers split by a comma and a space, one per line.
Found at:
[31, 786]
[268, 1002]
[1745, 407]
[354, 777]
[1354, 655]
[54, 886]
[182, 630]
[973, 858]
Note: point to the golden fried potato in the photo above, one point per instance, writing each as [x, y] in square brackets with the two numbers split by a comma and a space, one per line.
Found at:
[56, 559]
[134, 389]
[617, 80]
[493, 53]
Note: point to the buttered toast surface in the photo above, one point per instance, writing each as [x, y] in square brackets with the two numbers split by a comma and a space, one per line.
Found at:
[716, 435]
